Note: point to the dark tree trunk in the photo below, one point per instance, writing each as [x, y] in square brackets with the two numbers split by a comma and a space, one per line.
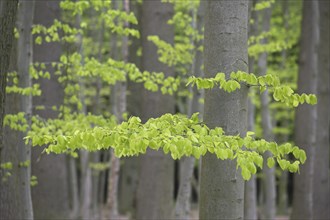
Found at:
[321, 168]
[306, 115]
[8, 11]
[15, 192]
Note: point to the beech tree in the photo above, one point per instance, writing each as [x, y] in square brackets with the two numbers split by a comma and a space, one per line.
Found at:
[43, 166]
[222, 186]
[159, 191]
[306, 116]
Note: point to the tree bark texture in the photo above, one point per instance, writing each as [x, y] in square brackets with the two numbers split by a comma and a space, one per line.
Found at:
[250, 188]
[269, 182]
[54, 187]
[129, 170]
[225, 50]
[282, 207]
[16, 192]
[186, 165]
[119, 109]
[155, 188]
[306, 115]
[8, 11]
[321, 168]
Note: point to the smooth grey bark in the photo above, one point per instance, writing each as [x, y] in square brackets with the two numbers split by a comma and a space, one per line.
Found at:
[282, 207]
[119, 108]
[250, 189]
[269, 182]
[186, 164]
[51, 170]
[156, 176]
[225, 50]
[8, 11]
[129, 170]
[306, 115]
[15, 192]
[321, 168]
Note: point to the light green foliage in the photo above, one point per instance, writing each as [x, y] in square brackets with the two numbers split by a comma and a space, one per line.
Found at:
[280, 93]
[54, 131]
[13, 87]
[108, 15]
[5, 169]
[24, 163]
[99, 166]
[279, 38]
[16, 121]
[6, 166]
[174, 134]
[52, 33]
[261, 5]
[111, 72]
[181, 54]
[33, 181]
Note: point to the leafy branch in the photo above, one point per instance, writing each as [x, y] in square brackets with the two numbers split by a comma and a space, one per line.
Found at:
[281, 93]
[175, 134]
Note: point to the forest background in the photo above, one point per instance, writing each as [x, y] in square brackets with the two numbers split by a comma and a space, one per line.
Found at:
[75, 74]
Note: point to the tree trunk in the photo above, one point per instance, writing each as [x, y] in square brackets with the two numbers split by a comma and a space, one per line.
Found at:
[321, 180]
[155, 188]
[8, 11]
[53, 187]
[250, 189]
[283, 179]
[15, 192]
[306, 116]
[187, 164]
[119, 109]
[269, 182]
[222, 186]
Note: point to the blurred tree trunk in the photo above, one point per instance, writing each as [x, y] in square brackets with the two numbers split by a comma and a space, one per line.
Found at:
[15, 191]
[119, 108]
[250, 189]
[8, 11]
[321, 168]
[53, 187]
[269, 182]
[129, 170]
[283, 179]
[186, 164]
[225, 50]
[155, 188]
[306, 115]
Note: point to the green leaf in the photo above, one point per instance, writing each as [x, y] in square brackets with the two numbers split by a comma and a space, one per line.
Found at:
[270, 162]
[246, 173]
[283, 164]
[312, 99]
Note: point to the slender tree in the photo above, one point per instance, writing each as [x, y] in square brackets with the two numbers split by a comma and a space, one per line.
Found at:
[250, 189]
[222, 186]
[269, 182]
[306, 116]
[187, 164]
[155, 187]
